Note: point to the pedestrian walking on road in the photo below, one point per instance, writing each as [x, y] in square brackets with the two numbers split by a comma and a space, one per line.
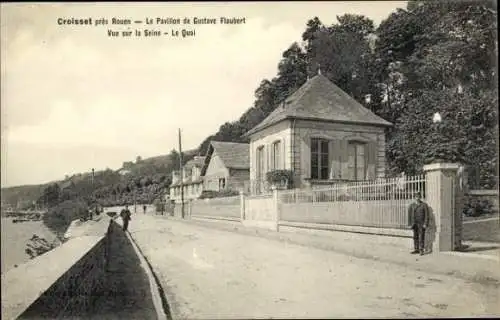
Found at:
[418, 214]
[126, 216]
[144, 208]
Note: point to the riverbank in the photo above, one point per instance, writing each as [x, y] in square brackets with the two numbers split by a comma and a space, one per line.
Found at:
[15, 238]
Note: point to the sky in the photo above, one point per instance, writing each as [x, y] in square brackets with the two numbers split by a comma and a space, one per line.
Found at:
[74, 98]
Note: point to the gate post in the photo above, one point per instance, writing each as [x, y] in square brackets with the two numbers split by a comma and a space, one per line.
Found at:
[242, 206]
[441, 184]
[276, 207]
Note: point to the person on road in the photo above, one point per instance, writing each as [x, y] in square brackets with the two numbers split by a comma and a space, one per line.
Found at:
[144, 208]
[418, 214]
[126, 216]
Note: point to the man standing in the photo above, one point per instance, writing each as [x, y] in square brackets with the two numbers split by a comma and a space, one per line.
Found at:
[126, 216]
[418, 214]
[144, 208]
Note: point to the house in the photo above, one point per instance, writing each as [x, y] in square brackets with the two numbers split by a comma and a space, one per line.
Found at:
[227, 166]
[192, 182]
[124, 172]
[322, 135]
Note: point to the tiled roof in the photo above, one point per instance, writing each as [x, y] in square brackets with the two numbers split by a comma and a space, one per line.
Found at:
[320, 99]
[234, 155]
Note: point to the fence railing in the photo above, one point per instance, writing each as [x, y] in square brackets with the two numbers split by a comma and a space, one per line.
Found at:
[379, 203]
[382, 189]
[257, 187]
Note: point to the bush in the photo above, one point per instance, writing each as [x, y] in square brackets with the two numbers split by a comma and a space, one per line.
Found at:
[280, 178]
[475, 207]
[60, 217]
[209, 194]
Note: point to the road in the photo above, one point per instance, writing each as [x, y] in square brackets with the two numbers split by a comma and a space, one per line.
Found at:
[210, 273]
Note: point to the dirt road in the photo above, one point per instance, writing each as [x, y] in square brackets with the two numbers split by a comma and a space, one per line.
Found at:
[209, 273]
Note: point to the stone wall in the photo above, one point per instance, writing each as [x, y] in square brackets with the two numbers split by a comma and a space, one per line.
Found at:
[484, 195]
[75, 293]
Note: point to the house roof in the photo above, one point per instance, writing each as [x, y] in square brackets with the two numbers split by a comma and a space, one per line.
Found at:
[234, 155]
[320, 99]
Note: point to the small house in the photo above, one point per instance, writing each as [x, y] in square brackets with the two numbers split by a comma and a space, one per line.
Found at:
[322, 135]
[226, 167]
[192, 182]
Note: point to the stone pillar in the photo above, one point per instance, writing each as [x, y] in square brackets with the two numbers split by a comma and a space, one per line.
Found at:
[242, 206]
[440, 195]
[276, 207]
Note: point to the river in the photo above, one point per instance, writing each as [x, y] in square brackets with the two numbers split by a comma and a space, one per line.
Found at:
[15, 237]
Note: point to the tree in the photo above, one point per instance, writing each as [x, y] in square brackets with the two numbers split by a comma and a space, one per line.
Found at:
[342, 51]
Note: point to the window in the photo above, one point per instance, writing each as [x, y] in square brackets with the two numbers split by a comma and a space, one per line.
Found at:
[260, 163]
[357, 162]
[319, 159]
[276, 158]
[222, 183]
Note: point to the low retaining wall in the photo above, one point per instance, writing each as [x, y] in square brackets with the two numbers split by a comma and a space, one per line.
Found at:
[62, 283]
[385, 214]
[217, 207]
[75, 293]
[260, 208]
[138, 209]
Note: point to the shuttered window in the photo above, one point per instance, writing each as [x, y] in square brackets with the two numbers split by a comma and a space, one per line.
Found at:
[260, 163]
[357, 153]
[319, 159]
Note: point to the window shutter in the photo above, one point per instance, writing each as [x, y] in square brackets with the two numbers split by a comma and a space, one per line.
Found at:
[344, 158]
[282, 155]
[371, 162]
[268, 157]
[334, 155]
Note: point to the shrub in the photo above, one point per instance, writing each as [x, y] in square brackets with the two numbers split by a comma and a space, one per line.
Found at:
[60, 217]
[209, 194]
[476, 207]
[280, 178]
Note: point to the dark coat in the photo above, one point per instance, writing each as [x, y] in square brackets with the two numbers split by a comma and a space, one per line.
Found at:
[125, 214]
[418, 214]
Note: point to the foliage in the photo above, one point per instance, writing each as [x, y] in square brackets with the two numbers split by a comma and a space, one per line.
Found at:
[433, 56]
[209, 194]
[282, 178]
[22, 195]
[476, 207]
[60, 217]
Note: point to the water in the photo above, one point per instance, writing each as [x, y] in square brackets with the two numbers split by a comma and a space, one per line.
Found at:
[15, 237]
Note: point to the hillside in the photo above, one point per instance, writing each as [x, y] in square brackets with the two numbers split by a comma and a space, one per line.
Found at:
[22, 195]
[146, 178]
